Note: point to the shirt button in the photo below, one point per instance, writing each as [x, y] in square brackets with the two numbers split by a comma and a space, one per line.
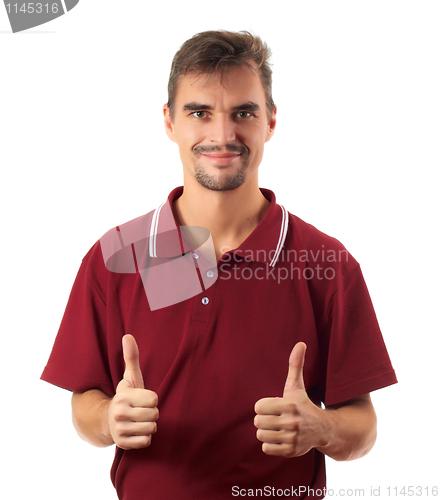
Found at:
[205, 300]
[210, 274]
[195, 255]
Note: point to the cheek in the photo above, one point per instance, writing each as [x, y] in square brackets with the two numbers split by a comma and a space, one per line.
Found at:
[254, 137]
[188, 138]
[256, 150]
[255, 146]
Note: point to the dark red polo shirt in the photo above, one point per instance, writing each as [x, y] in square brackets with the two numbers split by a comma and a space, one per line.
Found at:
[213, 340]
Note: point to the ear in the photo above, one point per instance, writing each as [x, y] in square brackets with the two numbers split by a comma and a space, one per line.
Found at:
[169, 127]
[271, 125]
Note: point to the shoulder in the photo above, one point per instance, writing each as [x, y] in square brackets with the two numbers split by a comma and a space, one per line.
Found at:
[113, 251]
[306, 243]
[305, 234]
[115, 244]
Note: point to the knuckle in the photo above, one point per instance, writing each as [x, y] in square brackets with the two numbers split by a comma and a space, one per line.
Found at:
[122, 387]
[292, 440]
[119, 430]
[145, 441]
[291, 425]
[118, 398]
[154, 400]
[122, 443]
[291, 407]
[119, 414]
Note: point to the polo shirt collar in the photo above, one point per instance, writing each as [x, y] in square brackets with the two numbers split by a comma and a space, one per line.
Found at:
[264, 244]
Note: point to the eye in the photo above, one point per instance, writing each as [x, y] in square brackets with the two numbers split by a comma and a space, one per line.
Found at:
[199, 114]
[243, 114]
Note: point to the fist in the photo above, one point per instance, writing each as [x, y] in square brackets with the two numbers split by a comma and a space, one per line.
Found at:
[292, 425]
[133, 412]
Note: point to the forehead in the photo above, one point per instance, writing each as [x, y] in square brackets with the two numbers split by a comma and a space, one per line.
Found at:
[236, 85]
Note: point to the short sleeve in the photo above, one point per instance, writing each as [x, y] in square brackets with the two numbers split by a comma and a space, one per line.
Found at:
[79, 357]
[357, 360]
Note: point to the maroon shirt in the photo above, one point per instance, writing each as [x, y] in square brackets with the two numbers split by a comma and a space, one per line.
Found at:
[213, 340]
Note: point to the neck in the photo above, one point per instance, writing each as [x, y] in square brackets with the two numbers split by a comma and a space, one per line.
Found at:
[230, 216]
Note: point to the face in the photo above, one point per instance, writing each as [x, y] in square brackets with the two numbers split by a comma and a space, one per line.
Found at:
[220, 127]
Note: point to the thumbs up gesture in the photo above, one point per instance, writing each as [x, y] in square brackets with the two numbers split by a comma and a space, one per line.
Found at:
[292, 425]
[133, 410]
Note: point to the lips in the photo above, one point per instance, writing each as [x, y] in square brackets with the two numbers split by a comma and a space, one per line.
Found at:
[225, 155]
[221, 157]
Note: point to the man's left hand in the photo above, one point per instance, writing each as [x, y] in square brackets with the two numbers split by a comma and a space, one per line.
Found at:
[292, 425]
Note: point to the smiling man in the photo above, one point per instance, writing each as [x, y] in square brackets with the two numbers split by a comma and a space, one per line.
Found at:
[221, 143]
[221, 122]
[259, 356]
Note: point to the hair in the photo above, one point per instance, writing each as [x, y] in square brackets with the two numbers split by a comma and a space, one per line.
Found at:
[212, 52]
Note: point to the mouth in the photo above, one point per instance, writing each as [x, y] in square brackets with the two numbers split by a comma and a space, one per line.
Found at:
[221, 158]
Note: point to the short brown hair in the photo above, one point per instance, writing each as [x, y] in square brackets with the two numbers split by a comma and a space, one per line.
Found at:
[217, 51]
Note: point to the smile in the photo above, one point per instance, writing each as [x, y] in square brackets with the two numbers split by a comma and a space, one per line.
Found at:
[222, 157]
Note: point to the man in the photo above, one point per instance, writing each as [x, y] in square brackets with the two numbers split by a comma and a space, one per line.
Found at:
[177, 340]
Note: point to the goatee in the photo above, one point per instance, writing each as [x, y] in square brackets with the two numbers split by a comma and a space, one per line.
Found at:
[222, 182]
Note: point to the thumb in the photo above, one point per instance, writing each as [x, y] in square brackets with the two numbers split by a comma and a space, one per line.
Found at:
[295, 377]
[132, 374]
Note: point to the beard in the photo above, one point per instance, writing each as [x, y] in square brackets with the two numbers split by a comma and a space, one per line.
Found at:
[226, 182]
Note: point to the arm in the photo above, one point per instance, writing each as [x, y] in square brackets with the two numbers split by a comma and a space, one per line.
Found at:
[128, 419]
[292, 425]
[90, 417]
[352, 429]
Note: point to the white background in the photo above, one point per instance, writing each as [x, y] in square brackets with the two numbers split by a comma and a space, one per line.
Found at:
[356, 153]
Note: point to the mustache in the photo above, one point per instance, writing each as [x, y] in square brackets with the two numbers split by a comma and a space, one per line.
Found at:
[229, 148]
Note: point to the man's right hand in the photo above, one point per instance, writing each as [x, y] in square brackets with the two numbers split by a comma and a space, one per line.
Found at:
[133, 411]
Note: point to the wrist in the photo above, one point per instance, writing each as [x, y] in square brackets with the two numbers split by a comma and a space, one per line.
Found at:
[106, 434]
[326, 433]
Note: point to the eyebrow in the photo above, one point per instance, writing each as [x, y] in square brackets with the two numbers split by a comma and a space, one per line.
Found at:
[194, 106]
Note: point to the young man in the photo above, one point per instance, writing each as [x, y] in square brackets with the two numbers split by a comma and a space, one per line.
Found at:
[210, 326]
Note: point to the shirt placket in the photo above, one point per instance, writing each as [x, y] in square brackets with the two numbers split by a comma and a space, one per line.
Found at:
[208, 275]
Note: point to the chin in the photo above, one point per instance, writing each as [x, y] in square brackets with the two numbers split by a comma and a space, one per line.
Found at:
[224, 183]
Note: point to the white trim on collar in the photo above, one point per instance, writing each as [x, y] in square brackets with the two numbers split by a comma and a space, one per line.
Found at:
[282, 238]
[280, 244]
[153, 231]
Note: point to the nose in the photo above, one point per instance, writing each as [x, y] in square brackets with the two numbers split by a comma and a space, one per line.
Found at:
[222, 129]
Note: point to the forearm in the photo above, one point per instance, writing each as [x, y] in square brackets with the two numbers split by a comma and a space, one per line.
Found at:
[349, 429]
[90, 417]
